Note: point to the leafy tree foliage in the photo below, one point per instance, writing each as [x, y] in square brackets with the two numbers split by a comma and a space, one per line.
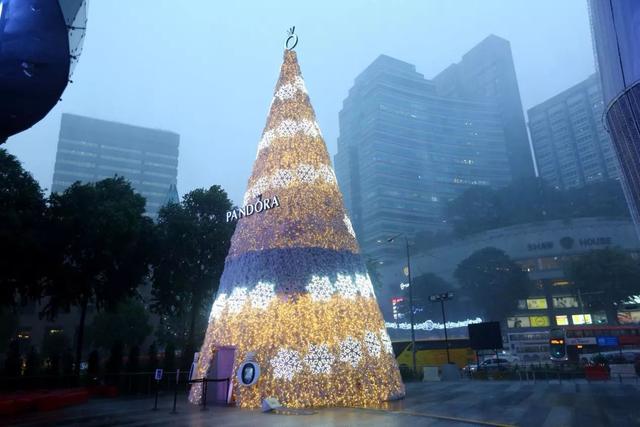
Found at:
[424, 286]
[493, 282]
[481, 208]
[100, 242]
[127, 323]
[606, 278]
[193, 239]
[22, 209]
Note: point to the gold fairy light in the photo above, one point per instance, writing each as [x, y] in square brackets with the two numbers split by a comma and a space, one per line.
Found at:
[295, 291]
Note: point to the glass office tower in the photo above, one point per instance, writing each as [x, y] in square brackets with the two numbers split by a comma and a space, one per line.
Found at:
[404, 151]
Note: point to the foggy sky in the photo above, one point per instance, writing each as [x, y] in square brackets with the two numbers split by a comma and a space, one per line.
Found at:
[207, 71]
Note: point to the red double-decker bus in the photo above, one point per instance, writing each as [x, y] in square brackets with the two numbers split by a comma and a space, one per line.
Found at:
[568, 343]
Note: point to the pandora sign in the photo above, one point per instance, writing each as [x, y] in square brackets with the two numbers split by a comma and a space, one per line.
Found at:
[257, 207]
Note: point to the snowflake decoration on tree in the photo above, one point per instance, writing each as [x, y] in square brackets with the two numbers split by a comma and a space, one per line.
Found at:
[350, 229]
[319, 359]
[306, 173]
[345, 286]
[262, 295]
[372, 343]
[282, 178]
[217, 307]
[286, 364]
[363, 283]
[350, 351]
[386, 342]
[320, 288]
[236, 300]
[266, 140]
[310, 128]
[327, 174]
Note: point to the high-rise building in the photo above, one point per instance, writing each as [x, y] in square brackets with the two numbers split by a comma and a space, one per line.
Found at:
[90, 150]
[614, 27]
[404, 151]
[487, 72]
[569, 141]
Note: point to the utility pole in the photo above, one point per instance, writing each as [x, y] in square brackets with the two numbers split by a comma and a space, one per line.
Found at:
[441, 298]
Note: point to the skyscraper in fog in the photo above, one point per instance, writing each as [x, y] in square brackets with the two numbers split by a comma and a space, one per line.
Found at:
[404, 151]
[570, 144]
[615, 31]
[487, 73]
[90, 150]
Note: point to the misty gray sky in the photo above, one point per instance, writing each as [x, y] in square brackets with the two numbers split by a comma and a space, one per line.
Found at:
[207, 70]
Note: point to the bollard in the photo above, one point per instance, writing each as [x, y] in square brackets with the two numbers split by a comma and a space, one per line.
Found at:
[155, 405]
[175, 391]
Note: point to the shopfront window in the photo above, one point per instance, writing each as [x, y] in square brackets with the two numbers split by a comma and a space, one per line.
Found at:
[581, 319]
[565, 302]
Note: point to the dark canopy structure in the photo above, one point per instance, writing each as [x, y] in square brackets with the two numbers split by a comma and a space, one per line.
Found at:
[40, 43]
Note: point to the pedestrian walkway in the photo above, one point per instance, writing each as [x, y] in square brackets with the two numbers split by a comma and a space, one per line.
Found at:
[465, 403]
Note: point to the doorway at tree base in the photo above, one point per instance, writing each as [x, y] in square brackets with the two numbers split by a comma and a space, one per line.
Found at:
[295, 290]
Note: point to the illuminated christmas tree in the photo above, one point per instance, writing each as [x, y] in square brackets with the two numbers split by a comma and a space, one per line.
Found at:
[295, 290]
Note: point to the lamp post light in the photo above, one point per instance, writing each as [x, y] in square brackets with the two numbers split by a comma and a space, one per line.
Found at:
[411, 314]
[441, 298]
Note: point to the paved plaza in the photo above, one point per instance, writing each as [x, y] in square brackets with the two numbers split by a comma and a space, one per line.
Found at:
[427, 404]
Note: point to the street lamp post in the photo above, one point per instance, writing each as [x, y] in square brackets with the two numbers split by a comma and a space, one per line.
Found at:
[441, 298]
[411, 314]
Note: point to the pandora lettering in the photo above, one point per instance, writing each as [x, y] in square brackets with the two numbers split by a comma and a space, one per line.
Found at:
[257, 207]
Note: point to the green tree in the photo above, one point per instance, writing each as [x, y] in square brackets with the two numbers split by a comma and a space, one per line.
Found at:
[32, 367]
[193, 241]
[114, 362]
[22, 210]
[476, 209]
[101, 241]
[607, 278]
[127, 323]
[424, 286]
[13, 359]
[169, 361]
[374, 273]
[152, 358]
[493, 282]
[53, 348]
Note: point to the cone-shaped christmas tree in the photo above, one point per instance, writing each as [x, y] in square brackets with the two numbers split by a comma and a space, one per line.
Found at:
[295, 290]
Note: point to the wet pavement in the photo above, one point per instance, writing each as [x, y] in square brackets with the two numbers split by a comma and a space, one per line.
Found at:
[427, 404]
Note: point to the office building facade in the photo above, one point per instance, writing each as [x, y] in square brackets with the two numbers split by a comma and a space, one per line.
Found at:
[570, 144]
[405, 150]
[487, 73]
[90, 150]
[615, 33]
[543, 250]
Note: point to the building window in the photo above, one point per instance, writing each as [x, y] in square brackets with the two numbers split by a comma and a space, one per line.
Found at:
[581, 319]
[539, 321]
[565, 302]
[562, 320]
[518, 322]
[536, 303]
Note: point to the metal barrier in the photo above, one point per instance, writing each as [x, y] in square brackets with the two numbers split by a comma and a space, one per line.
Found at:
[205, 381]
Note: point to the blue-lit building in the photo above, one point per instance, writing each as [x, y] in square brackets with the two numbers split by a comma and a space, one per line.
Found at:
[40, 43]
[405, 150]
[90, 150]
[616, 37]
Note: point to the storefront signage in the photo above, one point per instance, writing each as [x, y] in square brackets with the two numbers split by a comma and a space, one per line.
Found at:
[253, 208]
[567, 243]
[608, 341]
[581, 341]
